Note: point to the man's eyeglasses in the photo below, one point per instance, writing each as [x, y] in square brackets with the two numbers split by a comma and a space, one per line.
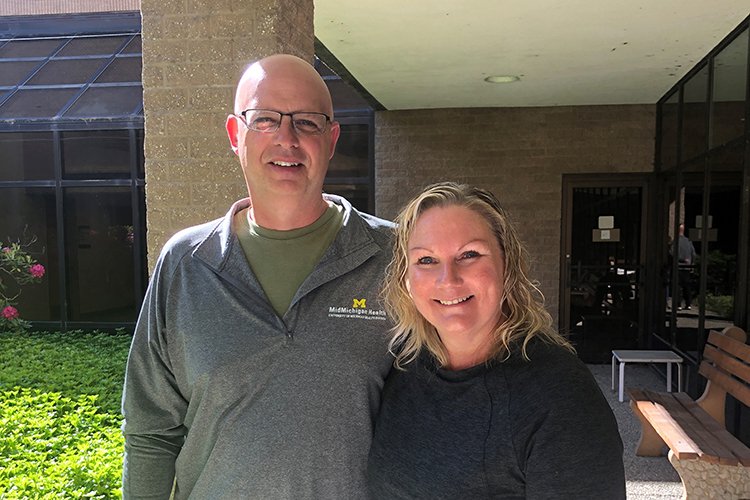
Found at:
[268, 121]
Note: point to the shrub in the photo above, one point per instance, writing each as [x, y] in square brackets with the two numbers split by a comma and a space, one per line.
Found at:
[721, 273]
[723, 305]
[17, 268]
[59, 414]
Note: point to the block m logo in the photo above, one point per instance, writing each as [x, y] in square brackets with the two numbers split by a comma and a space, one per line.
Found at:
[359, 303]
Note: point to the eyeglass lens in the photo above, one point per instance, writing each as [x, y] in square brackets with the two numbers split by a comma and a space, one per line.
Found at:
[262, 120]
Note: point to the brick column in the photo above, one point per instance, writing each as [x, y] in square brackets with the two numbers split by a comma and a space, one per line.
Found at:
[193, 54]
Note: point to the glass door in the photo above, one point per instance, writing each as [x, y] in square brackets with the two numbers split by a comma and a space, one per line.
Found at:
[603, 264]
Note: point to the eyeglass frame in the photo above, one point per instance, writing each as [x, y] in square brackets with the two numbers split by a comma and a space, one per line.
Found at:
[243, 118]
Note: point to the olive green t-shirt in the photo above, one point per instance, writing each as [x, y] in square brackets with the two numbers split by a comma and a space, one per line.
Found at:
[281, 260]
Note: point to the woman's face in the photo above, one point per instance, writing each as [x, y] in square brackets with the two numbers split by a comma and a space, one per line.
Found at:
[455, 275]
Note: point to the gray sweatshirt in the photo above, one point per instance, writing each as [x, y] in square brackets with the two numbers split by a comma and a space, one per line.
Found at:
[233, 401]
[515, 429]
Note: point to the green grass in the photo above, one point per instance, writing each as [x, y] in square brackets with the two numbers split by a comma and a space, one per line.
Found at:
[60, 414]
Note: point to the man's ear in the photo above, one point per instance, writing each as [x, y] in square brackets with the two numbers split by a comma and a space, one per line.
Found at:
[233, 127]
[335, 133]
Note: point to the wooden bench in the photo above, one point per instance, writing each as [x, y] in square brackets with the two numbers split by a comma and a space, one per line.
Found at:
[711, 462]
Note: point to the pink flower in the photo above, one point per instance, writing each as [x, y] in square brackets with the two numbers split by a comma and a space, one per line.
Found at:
[6, 250]
[10, 312]
[37, 270]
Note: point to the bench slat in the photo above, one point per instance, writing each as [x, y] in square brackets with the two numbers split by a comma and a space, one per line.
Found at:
[728, 361]
[731, 385]
[732, 346]
[675, 437]
[636, 394]
[688, 429]
[711, 449]
[733, 444]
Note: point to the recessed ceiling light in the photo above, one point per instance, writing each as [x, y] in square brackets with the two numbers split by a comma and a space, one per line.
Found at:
[502, 79]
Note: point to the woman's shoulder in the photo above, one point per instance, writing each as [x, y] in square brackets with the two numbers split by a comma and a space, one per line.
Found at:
[545, 364]
[540, 351]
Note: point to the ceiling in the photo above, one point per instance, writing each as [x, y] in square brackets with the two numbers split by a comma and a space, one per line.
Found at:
[413, 54]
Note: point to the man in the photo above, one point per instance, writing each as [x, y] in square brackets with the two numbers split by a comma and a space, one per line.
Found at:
[685, 261]
[260, 352]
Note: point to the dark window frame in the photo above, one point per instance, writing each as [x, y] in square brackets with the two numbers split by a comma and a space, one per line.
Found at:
[673, 177]
[76, 26]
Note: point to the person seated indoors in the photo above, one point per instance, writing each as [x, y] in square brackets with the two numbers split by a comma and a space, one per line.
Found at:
[485, 399]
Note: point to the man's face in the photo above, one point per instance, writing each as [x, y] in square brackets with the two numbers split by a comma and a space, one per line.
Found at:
[284, 162]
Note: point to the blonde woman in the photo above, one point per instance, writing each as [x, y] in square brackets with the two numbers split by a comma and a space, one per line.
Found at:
[486, 400]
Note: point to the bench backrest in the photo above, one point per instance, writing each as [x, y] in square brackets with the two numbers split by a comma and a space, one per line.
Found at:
[726, 363]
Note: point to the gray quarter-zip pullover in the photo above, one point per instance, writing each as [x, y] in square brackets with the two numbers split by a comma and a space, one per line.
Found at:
[236, 402]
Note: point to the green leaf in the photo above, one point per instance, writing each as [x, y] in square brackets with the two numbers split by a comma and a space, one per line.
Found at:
[59, 414]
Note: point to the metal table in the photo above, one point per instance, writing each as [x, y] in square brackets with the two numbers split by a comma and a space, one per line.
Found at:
[628, 356]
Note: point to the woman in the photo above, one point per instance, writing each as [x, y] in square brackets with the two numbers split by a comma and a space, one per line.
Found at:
[486, 400]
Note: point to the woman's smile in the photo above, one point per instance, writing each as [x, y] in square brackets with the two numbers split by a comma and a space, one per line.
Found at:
[456, 274]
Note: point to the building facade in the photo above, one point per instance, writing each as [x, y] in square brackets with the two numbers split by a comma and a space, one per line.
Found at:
[598, 192]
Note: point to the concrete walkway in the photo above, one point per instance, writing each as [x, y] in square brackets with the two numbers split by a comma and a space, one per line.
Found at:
[647, 477]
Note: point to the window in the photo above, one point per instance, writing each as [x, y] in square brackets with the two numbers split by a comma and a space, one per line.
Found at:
[37, 226]
[96, 153]
[669, 126]
[72, 173]
[695, 115]
[99, 248]
[351, 171]
[729, 89]
[65, 79]
[702, 189]
[27, 156]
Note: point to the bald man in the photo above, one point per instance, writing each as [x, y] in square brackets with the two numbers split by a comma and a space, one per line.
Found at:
[260, 352]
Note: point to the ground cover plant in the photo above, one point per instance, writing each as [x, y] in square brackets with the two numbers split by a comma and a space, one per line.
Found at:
[59, 414]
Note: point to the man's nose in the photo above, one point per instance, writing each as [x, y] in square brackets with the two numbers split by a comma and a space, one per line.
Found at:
[286, 135]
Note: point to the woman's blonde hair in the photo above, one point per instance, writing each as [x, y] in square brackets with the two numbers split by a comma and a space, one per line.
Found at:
[524, 315]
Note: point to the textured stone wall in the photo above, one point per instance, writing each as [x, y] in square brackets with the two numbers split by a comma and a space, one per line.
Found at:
[520, 154]
[701, 479]
[193, 54]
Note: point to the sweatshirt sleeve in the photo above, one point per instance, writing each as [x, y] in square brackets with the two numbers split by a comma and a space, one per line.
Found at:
[153, 407]
[566, 436]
